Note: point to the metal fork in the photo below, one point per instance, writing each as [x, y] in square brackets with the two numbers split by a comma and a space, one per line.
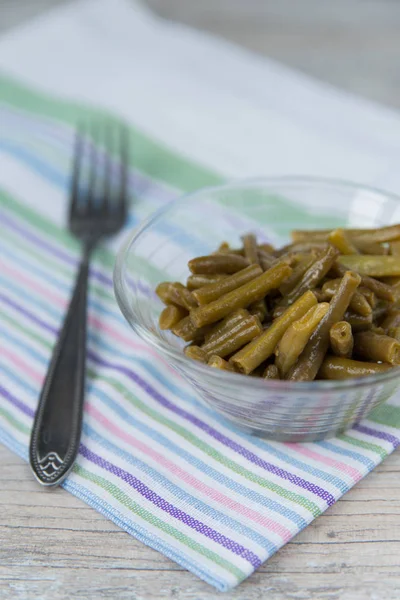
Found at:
[96, 211]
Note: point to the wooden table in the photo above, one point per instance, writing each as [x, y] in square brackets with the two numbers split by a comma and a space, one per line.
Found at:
[53, 547]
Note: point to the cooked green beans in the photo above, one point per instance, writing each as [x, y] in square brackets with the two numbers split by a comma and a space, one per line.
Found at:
[313, 354]
[311, 278]
[196, 353]
[218, 263]
[296, 337]
[372, 346]
[341, 241]
[252, 355]
[234, 338]
[326, 305]
[219, 363]
[358, 303]
[372, 266]
[250, 248]
[188, 332]
[176, 294]
[341, 339]
[171, 315]
[271, 372]
[335, 367]
[298, 273]
[213, 291]
[241, 297]
[197, 281]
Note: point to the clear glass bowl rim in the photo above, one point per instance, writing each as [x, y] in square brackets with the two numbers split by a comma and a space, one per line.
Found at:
[226, 377]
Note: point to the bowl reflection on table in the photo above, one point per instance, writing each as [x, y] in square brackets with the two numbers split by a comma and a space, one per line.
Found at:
[195, 225]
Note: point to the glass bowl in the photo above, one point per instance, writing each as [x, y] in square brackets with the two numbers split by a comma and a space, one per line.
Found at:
[195, 225]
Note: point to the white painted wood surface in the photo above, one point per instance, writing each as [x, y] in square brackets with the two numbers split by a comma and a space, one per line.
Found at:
[54, 547]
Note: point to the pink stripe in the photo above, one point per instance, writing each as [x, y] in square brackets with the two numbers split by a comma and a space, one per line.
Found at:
[95, 322]
[256, 517]
[300, 449]
[188, 478]
[22, 365]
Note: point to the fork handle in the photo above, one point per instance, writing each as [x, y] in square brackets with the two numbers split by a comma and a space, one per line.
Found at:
[58, 421]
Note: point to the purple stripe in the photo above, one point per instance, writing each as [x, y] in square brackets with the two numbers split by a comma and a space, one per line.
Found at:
[169, 508]
[382, 435]
[64, 136]
[17, 403]
[53, 250]
[300, 482]
[64, 257]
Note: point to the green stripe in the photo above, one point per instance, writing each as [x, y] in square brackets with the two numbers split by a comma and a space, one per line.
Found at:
[102, 256]
[209, 450]
[56, 267]
[187, 435]
[153, 158]
[386, 414]
[14, 422]
[146, 515]
[366, 445]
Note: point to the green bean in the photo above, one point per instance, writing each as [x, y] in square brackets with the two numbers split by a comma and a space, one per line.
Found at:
[213, 291]
[394, 248]
[380, 311]
[259, 309]
[368, 295]
[375, 347]
[366, 247]
[176, 294]
[218, 263]
[341, 240]
[224, 247]
[394, 332]
[381, 290]
[268, 248]
[358, 303]
[392, 281]
[304, 247]
[377, 329]
[195, 353]
[392, 319]
[296, 337]
[271, 372]
[261, 348]
[313, 354]
[335, 367]
[372, 266]
[250, 248]
[229, 341]
[298, 272]
[241, 297]
[381, 234]
[171, 315]
[197, 281]
[319, 235]
[358, 322]
[226, 324]
[266, 260]
[341, 339]
[311, 278]
[188, 332]
[219, 363]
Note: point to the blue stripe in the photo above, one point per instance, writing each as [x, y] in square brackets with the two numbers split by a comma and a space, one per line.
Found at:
[171, 387]
[59, 285]
[344, 452]
[180, 493]
[62, 181]
[142, 534]
[193, 460]
[98, 503]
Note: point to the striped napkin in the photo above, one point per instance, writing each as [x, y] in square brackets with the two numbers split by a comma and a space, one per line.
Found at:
[153, 459]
